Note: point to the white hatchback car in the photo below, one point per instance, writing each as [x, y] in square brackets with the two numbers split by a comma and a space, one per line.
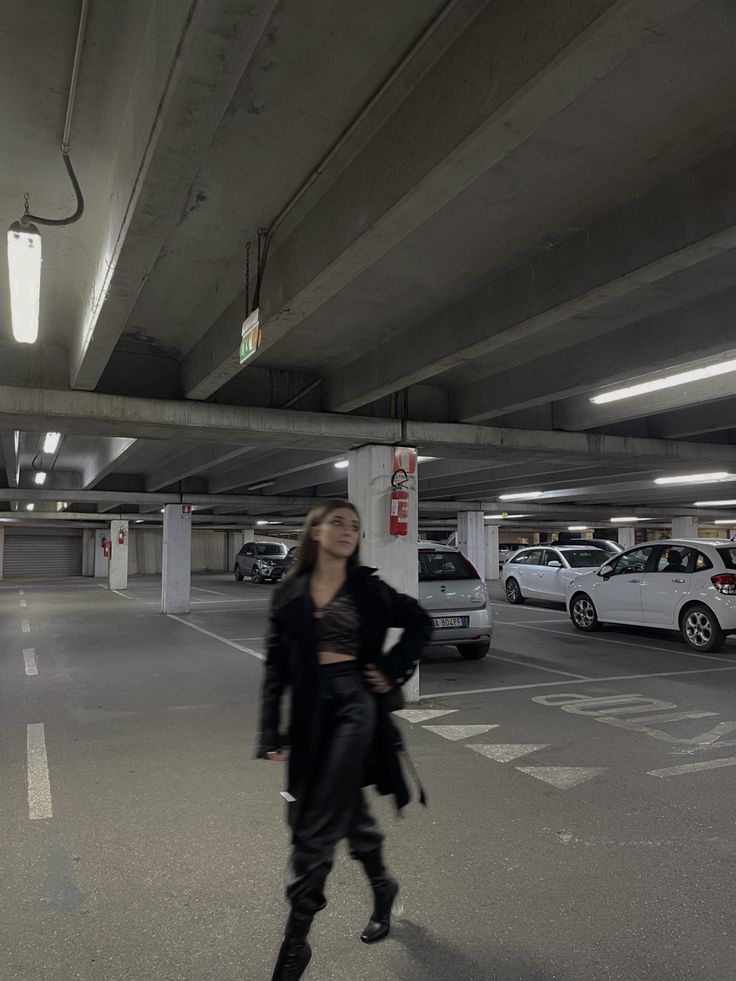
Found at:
[542, 572]
[685, 585]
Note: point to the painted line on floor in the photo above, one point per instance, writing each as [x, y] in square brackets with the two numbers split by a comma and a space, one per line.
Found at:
[539, 667]
[23, 604]
[29, 657]
[678, 771]
[223, 640]
[551, 684]
[623, 643]
[39, 786]
[214, 592]
[25, 626]
[22, 592]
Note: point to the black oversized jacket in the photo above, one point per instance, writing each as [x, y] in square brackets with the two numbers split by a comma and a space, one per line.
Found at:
[293, 661]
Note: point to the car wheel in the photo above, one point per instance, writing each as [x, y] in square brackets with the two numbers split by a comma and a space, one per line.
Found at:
[513, 592]
[583, 613]
[474, 652]
[701, 630]
[256, 576]
[238, 574]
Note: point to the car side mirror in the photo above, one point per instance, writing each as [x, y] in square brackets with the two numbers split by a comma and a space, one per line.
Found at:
[554, 564]
[605, 572]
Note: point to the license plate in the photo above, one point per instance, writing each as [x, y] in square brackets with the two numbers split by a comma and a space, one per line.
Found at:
[450, 623]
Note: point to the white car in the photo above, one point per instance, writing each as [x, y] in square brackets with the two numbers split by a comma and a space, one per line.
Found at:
[542, 572]
[685, 585]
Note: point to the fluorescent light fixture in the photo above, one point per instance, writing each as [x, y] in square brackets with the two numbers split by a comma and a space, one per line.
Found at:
[139, 521]
[578, 528]
[726, 521]
[667, 381]
[30, 507]
[425, 459]
[342, 464]
[24, 270]
[715, 504]
[163, 510]
[697, 478]
[39, 478]
[502, 517]
[261, 522]
[51, 442]
[267, 483]
[525, 496]
[623, 521]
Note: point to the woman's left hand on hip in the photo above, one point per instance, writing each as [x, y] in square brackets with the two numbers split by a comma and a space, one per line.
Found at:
[378, 681]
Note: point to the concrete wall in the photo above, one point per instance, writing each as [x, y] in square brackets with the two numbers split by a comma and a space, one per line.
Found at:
[144, 554]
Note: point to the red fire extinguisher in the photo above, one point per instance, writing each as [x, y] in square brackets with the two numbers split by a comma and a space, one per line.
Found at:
[106, 547]
[121, 536]
[399, 523]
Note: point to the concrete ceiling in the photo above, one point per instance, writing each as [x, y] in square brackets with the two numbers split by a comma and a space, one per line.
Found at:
[479, 215]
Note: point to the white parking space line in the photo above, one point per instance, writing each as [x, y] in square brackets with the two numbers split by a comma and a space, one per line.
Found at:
[22, 592]
[25, 626]
[539, 667]
[119, 593]
[214, 592]
[223, 640]
[39, 787]
[552, 684]
[23, 604]
[624, 643]
[29, 657]
[678, 771]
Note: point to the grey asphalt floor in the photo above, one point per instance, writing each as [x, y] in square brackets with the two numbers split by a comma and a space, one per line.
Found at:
[567, 839]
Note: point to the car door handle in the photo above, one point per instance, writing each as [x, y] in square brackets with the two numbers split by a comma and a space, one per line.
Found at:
[678, 580]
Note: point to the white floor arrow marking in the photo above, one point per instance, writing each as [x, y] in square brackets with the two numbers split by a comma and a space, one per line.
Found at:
[459, 732]
[504, 752]
[562, 777]
[422, 715]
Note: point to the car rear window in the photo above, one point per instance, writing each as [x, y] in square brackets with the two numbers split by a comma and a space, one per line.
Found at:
[434, 566]
[585, 557]
[278, 550]
[729, 556]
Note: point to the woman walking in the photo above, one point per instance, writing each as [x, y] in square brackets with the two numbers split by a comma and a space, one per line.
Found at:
[328, 626]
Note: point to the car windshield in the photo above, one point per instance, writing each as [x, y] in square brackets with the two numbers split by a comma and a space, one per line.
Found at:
[277, 551]
[434, 566]
[583, 558]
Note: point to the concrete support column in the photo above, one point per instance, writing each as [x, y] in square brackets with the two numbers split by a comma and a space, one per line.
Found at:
[117, 577]
[493, 570]
[395, 557]
[2, 551]
[88, 552]
[471, 538]
[627, 537]
[176, 566]
[100, 563]
[232, 547]
[247, 535]
[684, 527]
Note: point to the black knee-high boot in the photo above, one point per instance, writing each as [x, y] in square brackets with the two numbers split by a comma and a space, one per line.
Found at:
[295, 953]
[385, 891]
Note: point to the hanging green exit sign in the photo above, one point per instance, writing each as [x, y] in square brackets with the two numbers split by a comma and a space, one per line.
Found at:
[251, 336]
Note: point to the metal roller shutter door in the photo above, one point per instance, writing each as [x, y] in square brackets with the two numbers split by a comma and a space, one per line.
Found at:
[42, 556]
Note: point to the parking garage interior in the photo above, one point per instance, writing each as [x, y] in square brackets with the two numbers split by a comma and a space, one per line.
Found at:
[487, 246]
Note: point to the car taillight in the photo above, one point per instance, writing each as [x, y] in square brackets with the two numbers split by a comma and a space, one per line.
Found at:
[725, 583]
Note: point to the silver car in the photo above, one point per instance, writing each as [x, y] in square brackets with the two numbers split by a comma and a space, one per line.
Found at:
[261, 562]
[455, 596]
[543, 573]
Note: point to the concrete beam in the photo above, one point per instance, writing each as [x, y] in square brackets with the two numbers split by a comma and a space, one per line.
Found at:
[677, 225]
[172, 115]
[690, 336]
[450, 129]
[712, 417]
[75, 496]
[111, 454]
[191, 462]
[272, 468]
[34, 365]
[10, 445]
[581, 413]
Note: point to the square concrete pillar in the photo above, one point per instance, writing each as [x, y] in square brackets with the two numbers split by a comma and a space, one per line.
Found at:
[176, 566]
[88, 552]
[627, 537]
[395, 557]
[493, 569]
[117, 577]
[232, 547]
[2, 550]
[684, 527]
[100, 562]
[471, 538]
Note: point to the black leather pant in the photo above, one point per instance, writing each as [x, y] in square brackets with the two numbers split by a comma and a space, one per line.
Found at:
[334, 806]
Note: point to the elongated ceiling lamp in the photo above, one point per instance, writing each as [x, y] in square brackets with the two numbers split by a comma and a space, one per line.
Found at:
[24, 238]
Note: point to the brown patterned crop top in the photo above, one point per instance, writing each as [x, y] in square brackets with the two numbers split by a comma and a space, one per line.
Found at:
[338, 626]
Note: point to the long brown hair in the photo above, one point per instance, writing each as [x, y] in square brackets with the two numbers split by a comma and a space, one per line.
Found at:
[306, 557]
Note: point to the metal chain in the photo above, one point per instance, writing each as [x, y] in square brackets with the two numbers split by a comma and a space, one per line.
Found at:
[247, 278]
[27, 199]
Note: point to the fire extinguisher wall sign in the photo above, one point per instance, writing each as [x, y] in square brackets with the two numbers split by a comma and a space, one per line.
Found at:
[403, 482]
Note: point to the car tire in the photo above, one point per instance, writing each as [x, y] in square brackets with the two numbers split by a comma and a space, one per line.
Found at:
[513, 592]
[583, 613]
[474, 652]
[701, 630]
[255, 576]
[239, 577]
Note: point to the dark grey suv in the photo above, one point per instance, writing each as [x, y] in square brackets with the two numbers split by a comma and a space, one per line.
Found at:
[260, 562]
